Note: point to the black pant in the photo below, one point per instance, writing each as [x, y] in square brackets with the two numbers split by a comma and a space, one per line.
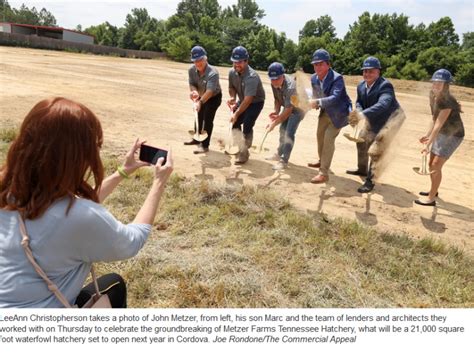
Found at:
[206, 116]
[111, 284]
[248, 118]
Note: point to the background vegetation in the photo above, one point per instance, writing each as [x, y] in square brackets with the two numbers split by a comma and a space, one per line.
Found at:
[406, 51]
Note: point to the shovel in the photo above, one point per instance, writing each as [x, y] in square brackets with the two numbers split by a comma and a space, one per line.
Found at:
[260, 147]
[354, 137]
[230, 148]
[198, 136]
[424, 166]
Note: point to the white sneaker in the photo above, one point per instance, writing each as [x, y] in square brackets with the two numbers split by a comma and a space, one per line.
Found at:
[273, 157]
[280, 166]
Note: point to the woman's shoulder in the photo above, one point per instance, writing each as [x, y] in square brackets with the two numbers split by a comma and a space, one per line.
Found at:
[81, 210]
[448, 101]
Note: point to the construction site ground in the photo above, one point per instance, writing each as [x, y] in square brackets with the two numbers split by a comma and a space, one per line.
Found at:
[150, 99]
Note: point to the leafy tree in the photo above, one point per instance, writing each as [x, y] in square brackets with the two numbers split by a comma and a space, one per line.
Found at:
[442, 33]
[180, 47]
[246, 10]
[414, 71]
[435, 58]
[25, 15]
[468, 40]
[262, 48]
[289, 55]
[318, 28]
[138, 31]
[465, 75]
[46, 18]
[104, 34]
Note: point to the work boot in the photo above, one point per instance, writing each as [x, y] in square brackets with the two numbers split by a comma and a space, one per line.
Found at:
[243, 157]
[368, 186]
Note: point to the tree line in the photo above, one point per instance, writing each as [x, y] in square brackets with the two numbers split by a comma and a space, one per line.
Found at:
[405, 51]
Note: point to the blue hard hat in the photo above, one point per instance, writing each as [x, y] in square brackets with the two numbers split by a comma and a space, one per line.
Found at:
[197, 53]
[275, 70]
[442, 75]
[239, 53]
[371, 63]
[320, 55]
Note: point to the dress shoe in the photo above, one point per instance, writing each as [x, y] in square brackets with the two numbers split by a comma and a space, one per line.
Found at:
[422, 203]
[192, 142]
[356, 172]
[367, 187]
[314, 165]
[426, 193]
[201, 149]
[243, 157]
[319, 179]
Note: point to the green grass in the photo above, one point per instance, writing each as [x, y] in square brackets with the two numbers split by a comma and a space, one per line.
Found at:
[216, 245]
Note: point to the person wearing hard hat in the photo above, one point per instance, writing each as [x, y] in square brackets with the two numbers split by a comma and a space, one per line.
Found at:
[206, 92]
[329, 91]
[284, 114]
[445, 134]
[377, 104]
[244, 84]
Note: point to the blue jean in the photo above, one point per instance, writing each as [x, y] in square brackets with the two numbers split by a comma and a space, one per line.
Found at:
[287, 135]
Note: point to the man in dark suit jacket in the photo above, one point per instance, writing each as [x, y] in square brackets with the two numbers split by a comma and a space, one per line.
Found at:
[376, 102]
[331, 98]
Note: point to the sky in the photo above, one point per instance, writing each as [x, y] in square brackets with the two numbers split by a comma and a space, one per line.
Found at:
[287, 16]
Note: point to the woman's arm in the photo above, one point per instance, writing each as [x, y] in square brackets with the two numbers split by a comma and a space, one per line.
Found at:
[129, 166]
[438, 124]
[424, 138]
[147, 212]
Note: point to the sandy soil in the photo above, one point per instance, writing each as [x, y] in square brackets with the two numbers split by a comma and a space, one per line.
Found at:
[150, 99]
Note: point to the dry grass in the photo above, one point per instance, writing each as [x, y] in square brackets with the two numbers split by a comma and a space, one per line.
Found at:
[220, 246]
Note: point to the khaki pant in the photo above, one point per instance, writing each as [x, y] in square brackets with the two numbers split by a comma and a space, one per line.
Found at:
[326, 135]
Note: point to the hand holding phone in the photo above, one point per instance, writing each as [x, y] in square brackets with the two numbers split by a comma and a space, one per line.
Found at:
[151, 154]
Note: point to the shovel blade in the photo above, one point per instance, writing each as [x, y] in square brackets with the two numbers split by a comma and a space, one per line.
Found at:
[353, 139]
[418, 171]
[200, 137]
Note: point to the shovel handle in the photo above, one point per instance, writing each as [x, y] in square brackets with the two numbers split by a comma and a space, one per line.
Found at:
[263, 140]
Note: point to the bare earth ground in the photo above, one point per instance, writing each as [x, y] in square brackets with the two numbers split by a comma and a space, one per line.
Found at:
[149, 98]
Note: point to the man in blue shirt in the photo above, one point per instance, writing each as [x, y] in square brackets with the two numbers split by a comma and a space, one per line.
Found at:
[376, 103]
[335, 105]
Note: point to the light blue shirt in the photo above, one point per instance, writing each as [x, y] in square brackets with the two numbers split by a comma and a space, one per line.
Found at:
[64, 247]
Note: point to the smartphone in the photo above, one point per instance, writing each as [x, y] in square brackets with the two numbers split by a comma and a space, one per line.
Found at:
[151, 154]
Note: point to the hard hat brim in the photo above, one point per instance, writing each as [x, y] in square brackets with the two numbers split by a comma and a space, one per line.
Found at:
[440, 80]
[198, 58]
[237, 60]
[274, 77]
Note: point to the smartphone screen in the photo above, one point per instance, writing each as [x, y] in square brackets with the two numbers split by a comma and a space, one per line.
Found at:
[151, 154]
